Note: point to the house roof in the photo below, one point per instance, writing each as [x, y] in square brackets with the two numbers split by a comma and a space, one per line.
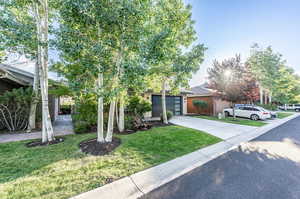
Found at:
[16, 75]
[202, 90]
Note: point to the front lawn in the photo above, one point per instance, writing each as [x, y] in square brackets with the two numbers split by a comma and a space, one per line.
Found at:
[281, 115]
[61, 170]
[240, 121]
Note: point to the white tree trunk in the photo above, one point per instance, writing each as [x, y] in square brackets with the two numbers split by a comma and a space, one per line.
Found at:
[42, 35]
[270, 98]
[35, 99]
[110, 125]
[121, 123]
[163, 102]
[100, 135]
[266, 97]
[261, 93]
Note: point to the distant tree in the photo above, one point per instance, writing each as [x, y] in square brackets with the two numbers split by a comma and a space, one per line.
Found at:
[172, 31]
[287, 86]
[229, 78]
[265, 64]
[200, 104]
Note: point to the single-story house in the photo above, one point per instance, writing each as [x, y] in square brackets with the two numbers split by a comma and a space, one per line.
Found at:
[215, 104]
[177, 104]
[12, 77]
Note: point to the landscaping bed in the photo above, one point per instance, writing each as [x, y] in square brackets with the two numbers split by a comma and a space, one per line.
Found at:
[62, 170]
[239, 121]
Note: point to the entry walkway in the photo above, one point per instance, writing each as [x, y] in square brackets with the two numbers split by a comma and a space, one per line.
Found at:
[219, 129]
[62, 126]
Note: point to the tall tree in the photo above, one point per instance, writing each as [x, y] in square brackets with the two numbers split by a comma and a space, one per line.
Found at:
[287, 86]
[172, 31]
[25, 30]
[102, 46]
[229, 79]
[18, 35]
[264, 64]
[42, 26]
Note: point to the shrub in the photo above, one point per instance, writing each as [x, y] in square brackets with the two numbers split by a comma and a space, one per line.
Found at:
[137, 106]
[272, 107]
[200, 104]
[81, 127]
[14, 109]
[169, 115]
[129, 122]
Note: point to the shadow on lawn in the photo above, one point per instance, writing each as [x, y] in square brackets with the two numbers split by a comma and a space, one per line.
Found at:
[17, 160]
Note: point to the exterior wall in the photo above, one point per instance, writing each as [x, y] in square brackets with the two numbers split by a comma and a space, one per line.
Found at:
[219, 105]
[191, 109]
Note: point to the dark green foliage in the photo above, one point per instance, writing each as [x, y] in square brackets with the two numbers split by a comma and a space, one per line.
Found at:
[129, 122]
[272, 107]
[81, 127]
[138, 106]
[169, 115]
[14, 109]
[200, 104]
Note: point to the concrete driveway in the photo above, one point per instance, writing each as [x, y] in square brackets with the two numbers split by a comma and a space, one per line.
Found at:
[219, 129]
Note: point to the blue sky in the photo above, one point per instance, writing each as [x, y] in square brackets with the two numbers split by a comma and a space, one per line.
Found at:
[228, 27]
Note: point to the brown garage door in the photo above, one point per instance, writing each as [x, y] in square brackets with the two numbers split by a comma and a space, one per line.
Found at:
[193, 109]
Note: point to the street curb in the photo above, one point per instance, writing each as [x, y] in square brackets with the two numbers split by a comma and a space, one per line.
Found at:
[143, 182]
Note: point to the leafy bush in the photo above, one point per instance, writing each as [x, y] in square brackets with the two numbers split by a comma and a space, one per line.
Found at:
[14, 109]
[138, 106]
[169, 115]
[129, 122]
[200, 104]
[86, 111]
[272, 107]
[81, 127]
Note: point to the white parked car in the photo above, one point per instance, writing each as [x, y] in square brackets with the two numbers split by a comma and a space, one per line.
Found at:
[294, 107]
[251, 112]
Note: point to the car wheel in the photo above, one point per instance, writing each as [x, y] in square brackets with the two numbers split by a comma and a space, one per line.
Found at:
[227, 114]
[254, 117]
[297, 110]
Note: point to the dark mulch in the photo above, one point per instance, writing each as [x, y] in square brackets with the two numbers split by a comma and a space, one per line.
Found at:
[149, 125]
[40, 143]
[93, 147]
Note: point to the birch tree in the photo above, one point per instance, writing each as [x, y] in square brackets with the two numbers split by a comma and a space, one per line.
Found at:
[100, 46]
[18, 35]
[173, 31]
[41, 19]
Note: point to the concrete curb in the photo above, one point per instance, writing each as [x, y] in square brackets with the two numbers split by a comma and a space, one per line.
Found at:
[145, 181]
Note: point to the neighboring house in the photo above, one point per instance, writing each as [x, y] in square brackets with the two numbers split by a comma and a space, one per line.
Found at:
[177, 104]
[12, 77]
[214, 102]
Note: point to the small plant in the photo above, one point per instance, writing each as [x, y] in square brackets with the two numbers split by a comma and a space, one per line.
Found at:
[169, 115]
[200, 105]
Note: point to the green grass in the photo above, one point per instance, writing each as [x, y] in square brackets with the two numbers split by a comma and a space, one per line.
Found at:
[61, 170]
[283, 115]
[246, 122]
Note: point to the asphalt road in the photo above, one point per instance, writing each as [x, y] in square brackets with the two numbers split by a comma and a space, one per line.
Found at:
[268, 167]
